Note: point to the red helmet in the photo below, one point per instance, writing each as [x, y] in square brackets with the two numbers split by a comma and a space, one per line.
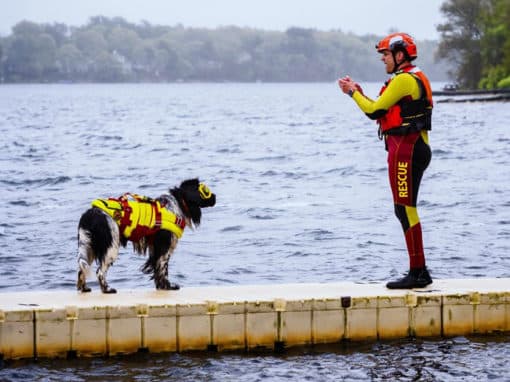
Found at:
[398, 41]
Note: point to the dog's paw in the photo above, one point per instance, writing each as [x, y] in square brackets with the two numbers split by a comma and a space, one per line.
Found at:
[168, 286]
[109, 290]
[84, 289]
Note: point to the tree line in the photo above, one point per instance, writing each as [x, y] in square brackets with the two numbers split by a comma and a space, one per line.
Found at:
[476, 39]
[115, 50]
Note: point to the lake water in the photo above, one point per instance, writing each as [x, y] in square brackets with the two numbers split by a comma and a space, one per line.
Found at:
[302, 196]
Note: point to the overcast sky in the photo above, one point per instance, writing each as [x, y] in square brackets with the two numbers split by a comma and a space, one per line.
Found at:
[417, 17]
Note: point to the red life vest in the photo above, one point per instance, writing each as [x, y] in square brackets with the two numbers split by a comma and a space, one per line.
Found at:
[139, 216]
[409, 115]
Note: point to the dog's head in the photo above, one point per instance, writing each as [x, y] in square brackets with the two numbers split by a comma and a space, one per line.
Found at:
[192, 196]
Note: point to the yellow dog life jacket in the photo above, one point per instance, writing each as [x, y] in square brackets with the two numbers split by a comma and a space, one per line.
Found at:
[140, 217]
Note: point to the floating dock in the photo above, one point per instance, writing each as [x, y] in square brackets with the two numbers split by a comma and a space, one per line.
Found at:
[476, 95]
[215, 318]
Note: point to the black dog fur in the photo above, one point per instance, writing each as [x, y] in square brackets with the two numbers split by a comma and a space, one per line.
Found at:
[99, 237]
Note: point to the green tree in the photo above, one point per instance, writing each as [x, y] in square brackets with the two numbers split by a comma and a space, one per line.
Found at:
[60, 32]
[31, 55]
[70, 63]
[505, 22]
[112, 49]
[167, 63]
[461, 39]
[91, 42]
[2, 79]
[477, 39]
[144, 56]
[108, 68]
[495, 43]
[124, 41]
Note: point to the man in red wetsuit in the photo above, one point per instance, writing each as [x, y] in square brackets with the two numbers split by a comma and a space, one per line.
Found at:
[403, 111]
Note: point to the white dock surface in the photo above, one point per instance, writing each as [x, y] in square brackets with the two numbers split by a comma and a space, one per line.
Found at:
[64, 323]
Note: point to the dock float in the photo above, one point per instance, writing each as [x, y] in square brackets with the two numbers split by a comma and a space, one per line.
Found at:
[475, 95]
[215, 318]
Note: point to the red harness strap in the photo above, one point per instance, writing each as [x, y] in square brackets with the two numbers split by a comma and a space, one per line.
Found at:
[124, 217]
[125, 221]
[180, 222]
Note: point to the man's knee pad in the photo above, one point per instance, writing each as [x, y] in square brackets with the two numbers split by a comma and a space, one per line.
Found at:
[407, 215]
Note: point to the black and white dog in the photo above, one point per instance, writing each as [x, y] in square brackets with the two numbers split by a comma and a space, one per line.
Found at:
[152, 225]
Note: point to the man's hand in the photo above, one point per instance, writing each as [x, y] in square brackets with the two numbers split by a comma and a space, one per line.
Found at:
[348, 86]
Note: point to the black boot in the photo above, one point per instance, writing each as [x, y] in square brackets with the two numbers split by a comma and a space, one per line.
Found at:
[416, 278]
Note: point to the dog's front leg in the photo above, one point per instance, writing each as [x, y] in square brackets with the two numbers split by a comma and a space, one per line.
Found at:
[161, 273]
[163, 245]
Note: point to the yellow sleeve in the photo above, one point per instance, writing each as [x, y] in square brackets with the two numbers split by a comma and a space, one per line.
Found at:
[400, 86]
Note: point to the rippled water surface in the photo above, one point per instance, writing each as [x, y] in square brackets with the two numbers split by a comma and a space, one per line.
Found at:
[302, 196]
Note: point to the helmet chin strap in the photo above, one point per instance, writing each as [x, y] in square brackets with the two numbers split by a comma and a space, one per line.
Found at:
[397, 64]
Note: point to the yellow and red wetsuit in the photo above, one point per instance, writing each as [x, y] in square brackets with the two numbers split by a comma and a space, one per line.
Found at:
[403, 111]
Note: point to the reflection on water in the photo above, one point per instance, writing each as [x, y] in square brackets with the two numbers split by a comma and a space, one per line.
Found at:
[460, 358]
